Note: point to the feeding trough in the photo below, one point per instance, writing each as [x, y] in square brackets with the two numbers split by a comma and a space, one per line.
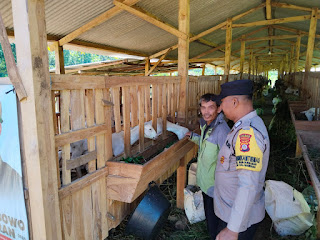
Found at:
[127, 181]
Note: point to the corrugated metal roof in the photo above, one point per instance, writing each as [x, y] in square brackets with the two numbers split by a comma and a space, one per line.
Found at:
[127, 31]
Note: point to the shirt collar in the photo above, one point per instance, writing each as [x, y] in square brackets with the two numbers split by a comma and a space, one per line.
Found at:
[245, 118]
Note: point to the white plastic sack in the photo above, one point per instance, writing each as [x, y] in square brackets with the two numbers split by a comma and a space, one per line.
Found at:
[192, 172]
[193, 206]
[287, 208]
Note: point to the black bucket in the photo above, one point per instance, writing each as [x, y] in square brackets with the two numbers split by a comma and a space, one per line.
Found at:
[150, 215]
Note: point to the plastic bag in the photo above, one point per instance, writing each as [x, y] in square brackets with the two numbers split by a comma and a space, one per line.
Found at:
[193, 205]
[192, 178]
[287, 208]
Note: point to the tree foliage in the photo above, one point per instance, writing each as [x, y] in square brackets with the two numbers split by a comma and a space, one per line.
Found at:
[70, 58]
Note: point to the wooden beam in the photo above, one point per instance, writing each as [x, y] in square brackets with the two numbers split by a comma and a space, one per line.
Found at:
[268, 9]
[291, 59]
[228, 49]
[273, 21]
[290, 6]
[36, 128]
[183, 55]
[242, 55]
[137, 12]
[59, 59]
[10, 63]
[159, 61]
[210, 30]
[95, 22]
[147, 66]
[311, 38]
[271, 37]
[293, 30]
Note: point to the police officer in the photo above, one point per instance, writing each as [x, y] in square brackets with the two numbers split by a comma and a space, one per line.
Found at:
[242, 165]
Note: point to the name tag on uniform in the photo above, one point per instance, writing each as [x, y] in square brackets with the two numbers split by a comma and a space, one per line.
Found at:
[248, 154]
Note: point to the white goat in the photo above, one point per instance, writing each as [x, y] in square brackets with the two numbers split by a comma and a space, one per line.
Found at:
[81, 147]
[118, 138]
[309, 113]
[294, 91]
[171, 127]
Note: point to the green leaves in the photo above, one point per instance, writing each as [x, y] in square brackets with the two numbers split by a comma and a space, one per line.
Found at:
[135, 160]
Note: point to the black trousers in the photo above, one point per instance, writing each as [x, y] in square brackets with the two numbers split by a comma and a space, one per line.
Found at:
[246, 235]
[211, 219]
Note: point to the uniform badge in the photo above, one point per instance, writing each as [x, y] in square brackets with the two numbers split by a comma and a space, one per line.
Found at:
[244, 142]
[222, 159]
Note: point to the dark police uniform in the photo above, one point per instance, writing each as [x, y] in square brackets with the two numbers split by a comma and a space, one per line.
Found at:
[241, 169]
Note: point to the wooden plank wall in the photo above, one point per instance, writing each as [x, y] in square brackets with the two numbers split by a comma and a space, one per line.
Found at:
[86, 113]
[311, 89]
[197, 86]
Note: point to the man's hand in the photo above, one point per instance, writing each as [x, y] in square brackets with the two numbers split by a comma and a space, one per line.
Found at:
[227, 234]
[188, 134]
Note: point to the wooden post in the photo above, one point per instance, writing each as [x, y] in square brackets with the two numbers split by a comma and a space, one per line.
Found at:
[297, 55]
[228, 49]
[59, 59]
[268, 9]
[291, 59]
[242, 55]
[203, 69]
[147, 66]
[183, 55]
[37, 130]
[311, 37]
[250, 63]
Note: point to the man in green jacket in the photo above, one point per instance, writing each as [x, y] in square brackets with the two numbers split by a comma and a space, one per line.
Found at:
[214, 130]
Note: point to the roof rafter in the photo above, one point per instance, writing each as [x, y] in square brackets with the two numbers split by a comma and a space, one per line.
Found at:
[210, 30]
[151, 19]
[95, 22]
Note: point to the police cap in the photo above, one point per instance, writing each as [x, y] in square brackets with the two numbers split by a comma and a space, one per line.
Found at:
[238, 87]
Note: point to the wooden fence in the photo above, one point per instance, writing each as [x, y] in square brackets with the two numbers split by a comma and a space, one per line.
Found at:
[91, 108]
[310, 90]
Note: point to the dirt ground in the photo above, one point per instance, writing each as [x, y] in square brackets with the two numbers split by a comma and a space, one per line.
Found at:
[283, 166]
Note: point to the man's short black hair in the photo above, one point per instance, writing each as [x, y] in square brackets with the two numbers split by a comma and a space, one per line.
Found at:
[209, 97]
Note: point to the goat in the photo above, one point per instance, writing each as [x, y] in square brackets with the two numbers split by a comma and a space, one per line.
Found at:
[309, 113]
[171, 127]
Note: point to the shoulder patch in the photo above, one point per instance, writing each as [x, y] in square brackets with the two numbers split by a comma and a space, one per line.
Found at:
[248, 154]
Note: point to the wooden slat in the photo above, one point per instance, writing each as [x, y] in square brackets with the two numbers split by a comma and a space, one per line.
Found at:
[82, 182]
[147, 103]
[74, 82]
[141, 100]
[99, 115]
[81, 160]
[126, 120]
[154, 106]
[139, 80]
[116, 108]
[159, 104]
[290, 6]
[108, 134]
[89, 104]
[65, 127]
[73, 136]
[134, 105]
[164, 110]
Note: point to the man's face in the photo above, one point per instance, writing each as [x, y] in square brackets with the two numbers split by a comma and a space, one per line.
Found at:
[209, 111]
[227, 106]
